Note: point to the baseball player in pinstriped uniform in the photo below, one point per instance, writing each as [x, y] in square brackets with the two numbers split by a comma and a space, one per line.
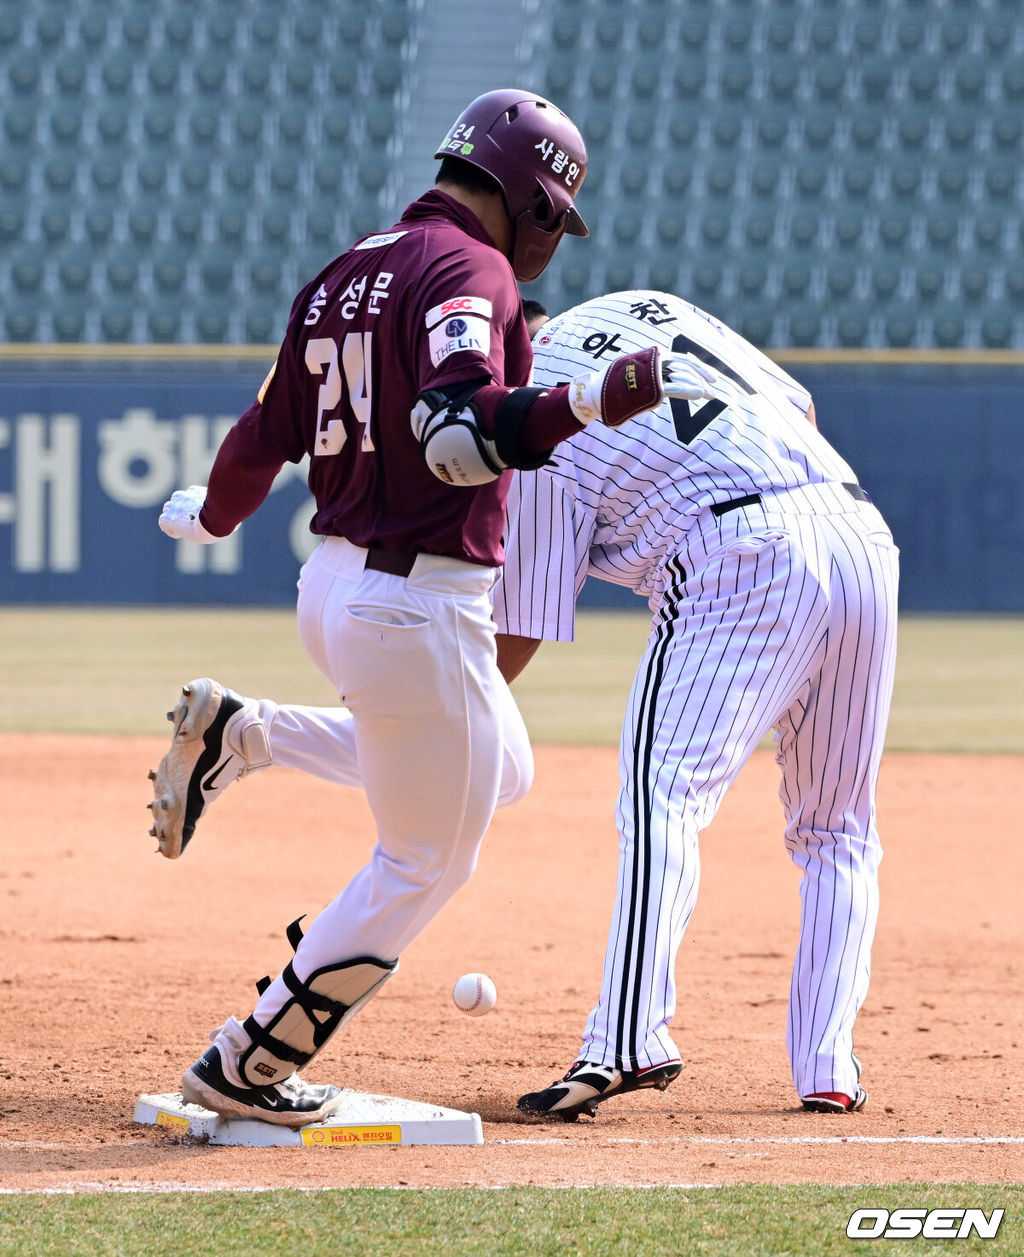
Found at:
[772, 581]
[404, 375]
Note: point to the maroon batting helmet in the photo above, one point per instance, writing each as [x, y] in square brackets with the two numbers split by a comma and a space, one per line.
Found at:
[537, 157]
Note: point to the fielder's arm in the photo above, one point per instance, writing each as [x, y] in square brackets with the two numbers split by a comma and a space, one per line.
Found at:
[514, 653]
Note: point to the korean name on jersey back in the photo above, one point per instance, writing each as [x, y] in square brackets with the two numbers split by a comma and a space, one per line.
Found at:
[457, 325]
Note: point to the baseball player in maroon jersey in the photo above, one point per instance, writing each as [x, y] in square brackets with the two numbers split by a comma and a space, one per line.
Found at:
[403, 374]
[772, 583]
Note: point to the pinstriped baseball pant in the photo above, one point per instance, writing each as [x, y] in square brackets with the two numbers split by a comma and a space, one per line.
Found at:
[779, 615]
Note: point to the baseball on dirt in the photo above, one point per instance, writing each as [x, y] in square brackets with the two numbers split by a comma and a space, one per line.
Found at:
[474, 994]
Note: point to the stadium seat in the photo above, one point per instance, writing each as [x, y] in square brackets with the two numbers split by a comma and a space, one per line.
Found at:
[720, 178]
[28, 268]
[105, 174]
[901, 326]
[620, 275]
[894, 226]
[151, 175]
[159, 123]
[116, 323]
[736, 33]
[929, 278]
[49, 28]
[780, 32]
[12, 222]
[69, 75]
[804, 227]
[178, 30]
[998, 36]
[905, 181]
[1006, 130]
[759, 230]
[122, 272]
[783, 79]
[98, 223]
[923, 79]
[726, 128]
[951, 181]
[810, 180]
[689, 77]
[876, 79]
[866, 129]
[948, 326]
[772, 128]
[751, 278]
[1013, 282]
[848, 228]
[988, 230]
[66, 125]
[164, 323]
[804, 326]
[55, 223]
[840, 280]
[117, 73]
[69, 323]
[265, 276]
[912, 128]
[186, 224]
[756, 326]
[885, 280]
[997, 326]
[942, 230]
[829, 75]
[261, 327]
[910, 34]
[974, 279]
[970, 78]
[714, 229]
[221, 29]
[764, 179]
[21, 322]
[238, 177]
[626, 229]
[1013, 80]
[819, 130]
[23, 76]
[212, 323]
[231, 225]
[169, 271]
[682, 129]
[795, 279]
[1001, 179]
[59, 173]
[112, 124]
[851, 327]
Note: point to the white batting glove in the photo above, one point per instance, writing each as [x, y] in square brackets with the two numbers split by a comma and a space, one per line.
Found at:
[685, 377]
[180, 517]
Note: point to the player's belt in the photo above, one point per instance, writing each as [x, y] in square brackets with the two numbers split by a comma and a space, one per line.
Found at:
[751, 499]
[390, 561]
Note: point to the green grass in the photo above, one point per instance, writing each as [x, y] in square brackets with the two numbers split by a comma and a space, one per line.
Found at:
[959, 683]
[515, 1222]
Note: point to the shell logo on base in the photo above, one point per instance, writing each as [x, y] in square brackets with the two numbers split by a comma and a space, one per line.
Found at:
[337, 1136]
[173, 1120]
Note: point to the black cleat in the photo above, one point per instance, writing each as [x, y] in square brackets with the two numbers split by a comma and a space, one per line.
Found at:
[288, 1103]
[586, 1086]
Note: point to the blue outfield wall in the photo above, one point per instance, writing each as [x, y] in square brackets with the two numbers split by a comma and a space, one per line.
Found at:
[90, 450]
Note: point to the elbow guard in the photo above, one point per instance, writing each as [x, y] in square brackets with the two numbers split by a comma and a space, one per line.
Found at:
[454, 442]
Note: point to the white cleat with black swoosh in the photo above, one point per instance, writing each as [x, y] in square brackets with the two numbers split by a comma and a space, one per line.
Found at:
[218, 737]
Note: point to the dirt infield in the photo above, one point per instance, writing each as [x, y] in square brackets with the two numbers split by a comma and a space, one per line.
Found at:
[117, 963]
